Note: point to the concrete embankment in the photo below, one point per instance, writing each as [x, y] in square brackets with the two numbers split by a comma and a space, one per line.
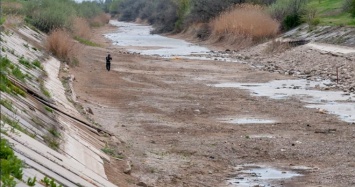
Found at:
[47, 132]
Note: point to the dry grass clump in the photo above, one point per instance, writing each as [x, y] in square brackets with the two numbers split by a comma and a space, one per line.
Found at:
[81, 27]
[11, 7]
[100, 20]
[13, 20]
[60, 44]
[246, 21]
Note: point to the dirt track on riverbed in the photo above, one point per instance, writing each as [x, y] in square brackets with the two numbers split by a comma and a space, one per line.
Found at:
[168, 122]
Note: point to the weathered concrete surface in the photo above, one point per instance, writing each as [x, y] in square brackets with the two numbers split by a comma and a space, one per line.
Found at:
[78, 159]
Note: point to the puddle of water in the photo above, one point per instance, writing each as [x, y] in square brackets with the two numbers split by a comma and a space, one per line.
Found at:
[253, 175]
[135, 35]
[335, 102]
[345, 111]
[262, 136]
[249, 121]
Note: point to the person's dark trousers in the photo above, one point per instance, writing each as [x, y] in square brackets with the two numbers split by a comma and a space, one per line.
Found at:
[108, 66]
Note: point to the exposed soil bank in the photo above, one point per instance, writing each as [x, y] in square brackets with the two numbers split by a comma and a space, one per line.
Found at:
[168, 118]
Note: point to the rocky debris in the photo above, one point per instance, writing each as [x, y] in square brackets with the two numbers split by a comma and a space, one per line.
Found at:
[115, 141]
[307, 63]
[128, 168]
[325, 131]
[66, 68]
[142, 184]
[128, 53]
[88, 110]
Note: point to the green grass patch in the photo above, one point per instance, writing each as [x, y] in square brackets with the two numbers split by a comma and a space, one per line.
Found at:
[15, 124]
[54, 132]
[25, 62]
[7, 104]
[18, 74]
[331, 12]
[86, 42]
[48, 109]
[51, 141]
[2, 20]
[11, 166]
[110, 151]
[50, 182]
[37, 64]
[5, 63]
[44, 90]
[31, 182]
[7, 86]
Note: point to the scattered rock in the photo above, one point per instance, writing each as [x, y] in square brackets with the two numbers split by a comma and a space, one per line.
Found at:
[325, 131]
[142, 184]
[32, 108]
[128, 168]
[88, 110]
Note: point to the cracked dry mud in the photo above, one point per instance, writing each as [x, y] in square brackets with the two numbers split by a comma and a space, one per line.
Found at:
[168, 122]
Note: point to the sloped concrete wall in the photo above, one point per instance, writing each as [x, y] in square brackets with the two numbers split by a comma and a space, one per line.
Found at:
[77, 159]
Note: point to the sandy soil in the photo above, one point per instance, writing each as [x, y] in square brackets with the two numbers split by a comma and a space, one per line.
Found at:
[167, 120]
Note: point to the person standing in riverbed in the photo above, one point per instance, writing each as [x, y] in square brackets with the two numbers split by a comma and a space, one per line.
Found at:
[108, 62]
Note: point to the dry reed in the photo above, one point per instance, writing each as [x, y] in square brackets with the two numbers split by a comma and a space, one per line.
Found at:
[100, 20]
[60, 44]
[81, 28]
[245, 21]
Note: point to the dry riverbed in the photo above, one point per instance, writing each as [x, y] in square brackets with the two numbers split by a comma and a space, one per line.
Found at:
[176, 127]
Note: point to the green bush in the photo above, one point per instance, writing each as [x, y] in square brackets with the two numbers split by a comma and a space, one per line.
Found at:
[352, 8]
[131, 9]
[183, 10]
[48, 15]
[311, 16]
[166, 20]
[88, 9]
[288, 12]
[162, 14]
[114, 6]
[204, 10]
[291, 21]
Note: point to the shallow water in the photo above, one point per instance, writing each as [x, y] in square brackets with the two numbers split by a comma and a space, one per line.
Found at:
[137, 38]
[253, 175]
[248, 121]
[133, 35]
[334, 102]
